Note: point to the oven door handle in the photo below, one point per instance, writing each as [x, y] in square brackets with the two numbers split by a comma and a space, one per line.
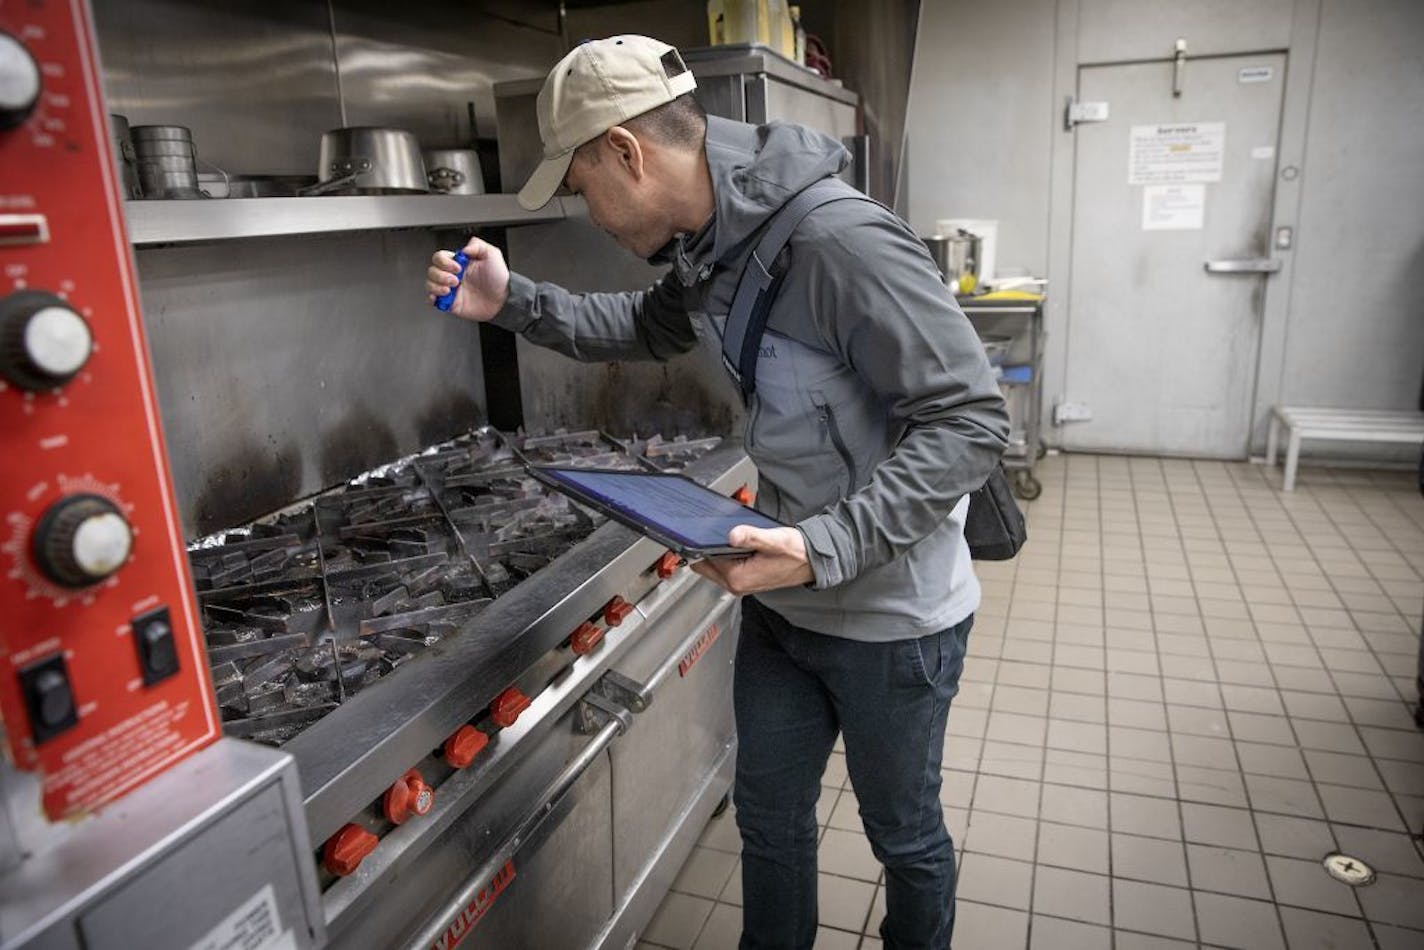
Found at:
[639, 696]
[616, 724]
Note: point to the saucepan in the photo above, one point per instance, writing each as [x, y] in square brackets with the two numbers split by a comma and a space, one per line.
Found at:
[369, 160]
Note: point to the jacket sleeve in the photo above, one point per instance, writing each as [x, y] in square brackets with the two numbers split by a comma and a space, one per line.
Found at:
[645, 325]
[878, 301]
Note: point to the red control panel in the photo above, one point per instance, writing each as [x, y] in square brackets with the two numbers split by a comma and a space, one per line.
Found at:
[103, 681]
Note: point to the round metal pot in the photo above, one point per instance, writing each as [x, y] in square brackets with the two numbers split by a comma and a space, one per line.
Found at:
[369, 160]
[454, 171]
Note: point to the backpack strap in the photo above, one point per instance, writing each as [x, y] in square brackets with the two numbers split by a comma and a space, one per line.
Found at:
[757, 287]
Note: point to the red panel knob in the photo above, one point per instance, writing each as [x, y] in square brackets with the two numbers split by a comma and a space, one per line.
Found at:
[507, 706]
[744, 496]
[345, 850]
[408, 796]
[615, 611]
[463, 745]
[585, 638]
[667, 565]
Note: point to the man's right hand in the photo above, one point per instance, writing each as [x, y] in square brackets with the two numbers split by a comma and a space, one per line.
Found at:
[486, 285]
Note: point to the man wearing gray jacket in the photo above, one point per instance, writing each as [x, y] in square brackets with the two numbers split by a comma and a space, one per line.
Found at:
[874, 415]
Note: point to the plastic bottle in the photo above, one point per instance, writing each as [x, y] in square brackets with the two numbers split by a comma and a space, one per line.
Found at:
[736, 21]
[782, 36]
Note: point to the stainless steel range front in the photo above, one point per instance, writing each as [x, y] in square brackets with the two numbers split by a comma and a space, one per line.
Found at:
[511, 719]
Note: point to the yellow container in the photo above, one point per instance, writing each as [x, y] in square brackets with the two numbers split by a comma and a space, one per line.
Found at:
[737, 21]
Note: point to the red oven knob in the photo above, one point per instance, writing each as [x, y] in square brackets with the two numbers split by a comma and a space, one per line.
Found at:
[585, 638]
[507, 706]
[615, 611]
[667, 565]
[463, 745]
[345, 850]
[408, 796]
[744, 496]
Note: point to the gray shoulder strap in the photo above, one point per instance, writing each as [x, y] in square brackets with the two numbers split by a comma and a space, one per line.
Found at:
[751, 305]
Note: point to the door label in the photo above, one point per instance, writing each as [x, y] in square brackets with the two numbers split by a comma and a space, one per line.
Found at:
[1173, 207]
[1255, 73]
[256, 925]
[1176, 154]
[1263, 152]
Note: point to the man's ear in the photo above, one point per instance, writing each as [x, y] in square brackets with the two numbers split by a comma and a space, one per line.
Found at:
[627, 149]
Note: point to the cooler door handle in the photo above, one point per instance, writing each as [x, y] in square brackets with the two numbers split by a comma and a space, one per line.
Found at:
[1249, 265]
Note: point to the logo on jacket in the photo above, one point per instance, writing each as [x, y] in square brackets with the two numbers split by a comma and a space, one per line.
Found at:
[767, 351]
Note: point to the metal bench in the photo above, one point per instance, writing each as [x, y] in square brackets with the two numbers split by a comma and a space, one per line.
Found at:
[1342, 425]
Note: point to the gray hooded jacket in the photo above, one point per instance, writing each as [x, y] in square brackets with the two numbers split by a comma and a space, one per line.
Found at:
[875, 411]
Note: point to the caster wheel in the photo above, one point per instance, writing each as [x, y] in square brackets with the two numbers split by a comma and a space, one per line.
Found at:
[1026, 486]
[722, 806]
[1041, 452]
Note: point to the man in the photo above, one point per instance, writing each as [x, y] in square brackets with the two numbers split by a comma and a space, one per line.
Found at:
[874, 414]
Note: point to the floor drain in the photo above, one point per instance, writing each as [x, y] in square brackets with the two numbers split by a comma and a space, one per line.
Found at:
[1348, 870]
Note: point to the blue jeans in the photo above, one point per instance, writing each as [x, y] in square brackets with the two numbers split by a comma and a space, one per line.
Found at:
[794, 690]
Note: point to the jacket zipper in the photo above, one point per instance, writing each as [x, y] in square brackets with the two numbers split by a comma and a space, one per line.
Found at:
[753, 411]
[828, 422]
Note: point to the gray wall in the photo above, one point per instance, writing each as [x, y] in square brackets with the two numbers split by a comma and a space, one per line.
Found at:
[986, 140]
[1356, 329]
[285, 366]
[980, 119]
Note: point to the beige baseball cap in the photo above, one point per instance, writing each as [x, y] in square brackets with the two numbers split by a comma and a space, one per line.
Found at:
[602, 83]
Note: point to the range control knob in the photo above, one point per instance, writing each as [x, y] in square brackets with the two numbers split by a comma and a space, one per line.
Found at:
[81, 540]
[43, 342]
[408, 796]
[19, 82]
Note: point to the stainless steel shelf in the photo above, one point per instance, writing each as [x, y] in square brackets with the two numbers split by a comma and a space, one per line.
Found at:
[226, 219]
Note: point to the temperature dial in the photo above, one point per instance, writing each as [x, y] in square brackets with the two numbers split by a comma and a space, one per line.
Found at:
[19, 82]
[43, 342]
[81, 540]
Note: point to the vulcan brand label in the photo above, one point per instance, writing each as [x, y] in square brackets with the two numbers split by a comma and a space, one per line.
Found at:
[704, 642]
[461, 926]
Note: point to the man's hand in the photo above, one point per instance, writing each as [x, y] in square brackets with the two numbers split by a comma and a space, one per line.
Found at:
[778, 559]
[486, 285]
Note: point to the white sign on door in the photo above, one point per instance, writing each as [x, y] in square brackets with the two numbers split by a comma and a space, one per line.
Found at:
[1173, 207]
[1176, 154]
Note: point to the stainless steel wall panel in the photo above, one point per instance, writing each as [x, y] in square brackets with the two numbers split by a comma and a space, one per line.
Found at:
[418, 69]
[287, 365]
[256, 82]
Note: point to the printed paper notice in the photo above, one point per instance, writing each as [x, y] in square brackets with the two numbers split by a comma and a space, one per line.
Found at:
[1173, 207]
[253, 926]
[1176, 154]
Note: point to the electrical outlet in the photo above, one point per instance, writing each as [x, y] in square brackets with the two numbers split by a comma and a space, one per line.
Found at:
[1071, 412]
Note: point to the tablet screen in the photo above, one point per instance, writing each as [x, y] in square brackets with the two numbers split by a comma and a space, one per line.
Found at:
[696, 516]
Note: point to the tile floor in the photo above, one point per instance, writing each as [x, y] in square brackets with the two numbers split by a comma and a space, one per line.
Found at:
[1185, 691]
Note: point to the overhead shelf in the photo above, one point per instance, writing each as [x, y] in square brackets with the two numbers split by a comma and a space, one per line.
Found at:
[227, 219]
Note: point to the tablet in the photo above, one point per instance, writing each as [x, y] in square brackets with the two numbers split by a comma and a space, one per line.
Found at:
[671, 509]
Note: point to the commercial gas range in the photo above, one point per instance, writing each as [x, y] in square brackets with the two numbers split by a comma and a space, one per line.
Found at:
[435, 705]
[453, 654]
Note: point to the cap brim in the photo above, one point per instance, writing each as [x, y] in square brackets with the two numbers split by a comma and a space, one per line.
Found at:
[546, 180]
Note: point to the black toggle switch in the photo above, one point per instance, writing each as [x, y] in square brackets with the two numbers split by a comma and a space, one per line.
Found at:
[157, 651]
[48, 698]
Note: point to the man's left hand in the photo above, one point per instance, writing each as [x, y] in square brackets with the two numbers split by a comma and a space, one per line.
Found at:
[778, 559]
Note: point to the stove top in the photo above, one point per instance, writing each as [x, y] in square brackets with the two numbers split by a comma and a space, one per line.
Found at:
[303, 609]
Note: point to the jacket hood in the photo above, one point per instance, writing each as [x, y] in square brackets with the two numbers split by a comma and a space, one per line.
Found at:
[755, 170]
